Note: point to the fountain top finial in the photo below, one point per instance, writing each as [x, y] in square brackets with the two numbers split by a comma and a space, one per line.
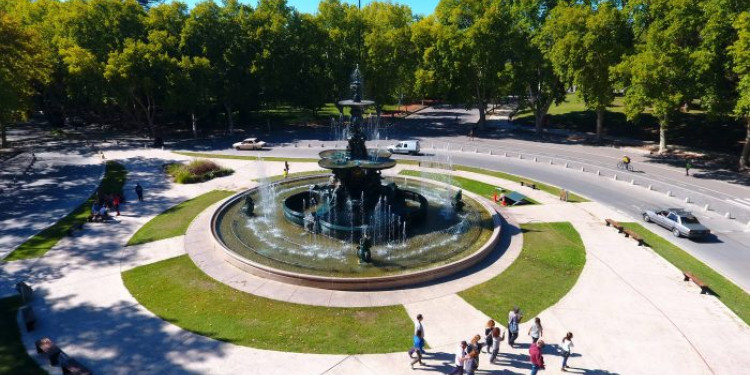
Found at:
[356, 85]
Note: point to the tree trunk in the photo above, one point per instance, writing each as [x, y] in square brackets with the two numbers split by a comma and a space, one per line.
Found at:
[230, 120]
[746, 147]
[3, 136]
[195, 124]
[538, 122]
[663, 136]
[482, 115]
[599, 124]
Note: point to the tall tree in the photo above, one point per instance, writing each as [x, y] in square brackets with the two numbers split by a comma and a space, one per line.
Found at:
[388, 57]
[657, 75]
[141, 74]
[21, 66]
[469, 52]
[530, 72]
[740, 54]
[344, 25]
[583, 43]
[224, 35]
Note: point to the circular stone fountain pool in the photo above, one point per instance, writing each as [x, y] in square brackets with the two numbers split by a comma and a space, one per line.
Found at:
[268, 244]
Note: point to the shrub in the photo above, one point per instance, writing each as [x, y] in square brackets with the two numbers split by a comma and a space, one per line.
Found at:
[196, 171]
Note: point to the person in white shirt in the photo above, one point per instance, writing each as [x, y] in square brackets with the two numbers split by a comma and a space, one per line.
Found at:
[497, 336]
[536, 331]
[567, 345]
[459, 361]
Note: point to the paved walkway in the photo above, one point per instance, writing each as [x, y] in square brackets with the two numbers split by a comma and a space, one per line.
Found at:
[630, 310]
[41, 190]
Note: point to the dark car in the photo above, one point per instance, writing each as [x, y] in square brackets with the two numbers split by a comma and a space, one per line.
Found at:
[679, 221]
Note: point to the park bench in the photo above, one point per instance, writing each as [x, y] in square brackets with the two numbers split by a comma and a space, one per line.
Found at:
[29, 319]
[615, 224]
[529, 184]
[25, 291]
[633, 235]
[697, 281]
[47, 347]
[72, 367]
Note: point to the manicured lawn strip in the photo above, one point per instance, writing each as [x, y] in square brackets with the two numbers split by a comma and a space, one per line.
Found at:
[476, 187]
[730, 294]
[296, 174]
[174, 221]
[242, 157]
[39, 244]
[550, 262]
[13, 356]
[177, 291]
[572, 197]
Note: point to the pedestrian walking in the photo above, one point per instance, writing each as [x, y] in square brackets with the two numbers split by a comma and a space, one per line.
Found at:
[497, 337]
[417, 348]
[488, 334]
[567, 345]
[286, 165]
[688, 167]
[514, 316]
[535, 353]
[458, 363]
[116, 203]
[475, 346]
[471, 362]
[536, 330]
[285, 173]
[418, 331]
[139, 191]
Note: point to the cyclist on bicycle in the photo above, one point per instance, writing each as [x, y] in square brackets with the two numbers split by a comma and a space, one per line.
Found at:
[626, 162]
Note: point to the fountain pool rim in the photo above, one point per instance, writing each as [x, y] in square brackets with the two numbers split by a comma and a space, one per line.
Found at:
[358, 283]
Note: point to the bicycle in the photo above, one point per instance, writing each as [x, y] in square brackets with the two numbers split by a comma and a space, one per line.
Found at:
[628, 167]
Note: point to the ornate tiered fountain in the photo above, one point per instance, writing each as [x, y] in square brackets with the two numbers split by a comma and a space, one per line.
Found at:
[354, 204]
[354, 228]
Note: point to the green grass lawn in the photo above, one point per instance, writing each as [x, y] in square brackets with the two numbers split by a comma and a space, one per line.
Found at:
[550, 262]
[13, 357]
[177, 291]
[730, 294]
[280, 177]
[39, 244]
[477, 187]
[572, 197]
[175, 221]
[242, 157]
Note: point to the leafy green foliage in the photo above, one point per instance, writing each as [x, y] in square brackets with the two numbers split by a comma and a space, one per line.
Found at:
[176, 220]
[179, 292]
[583, 43]
[551, 260]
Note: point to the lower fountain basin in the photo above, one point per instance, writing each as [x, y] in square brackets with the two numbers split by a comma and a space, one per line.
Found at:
[270, 245]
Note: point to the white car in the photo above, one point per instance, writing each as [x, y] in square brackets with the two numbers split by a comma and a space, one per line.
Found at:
[249, 144]
[405, 147]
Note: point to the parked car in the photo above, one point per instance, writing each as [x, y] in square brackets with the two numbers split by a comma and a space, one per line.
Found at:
[249, 144]
[679, 221]
[405, 147]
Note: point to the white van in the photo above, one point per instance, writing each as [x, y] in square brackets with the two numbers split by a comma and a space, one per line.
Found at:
[405, 147]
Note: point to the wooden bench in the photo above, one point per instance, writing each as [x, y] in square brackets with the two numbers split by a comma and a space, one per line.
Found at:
[29, 319]
[73, 367]
[529, 184]
[697, 281]
[25, 291]
[615, 224]
[633, 235]
[47, 347]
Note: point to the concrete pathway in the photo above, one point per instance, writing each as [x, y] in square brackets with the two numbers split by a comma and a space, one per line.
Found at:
[630, 311]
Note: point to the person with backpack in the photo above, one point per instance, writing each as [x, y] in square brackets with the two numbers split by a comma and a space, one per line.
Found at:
[514, 317]
[417, 348]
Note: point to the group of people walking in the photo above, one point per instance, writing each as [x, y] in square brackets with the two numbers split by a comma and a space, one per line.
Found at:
[466, 360]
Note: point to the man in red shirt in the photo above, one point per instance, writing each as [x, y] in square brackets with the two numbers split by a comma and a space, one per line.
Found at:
[537, 361]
